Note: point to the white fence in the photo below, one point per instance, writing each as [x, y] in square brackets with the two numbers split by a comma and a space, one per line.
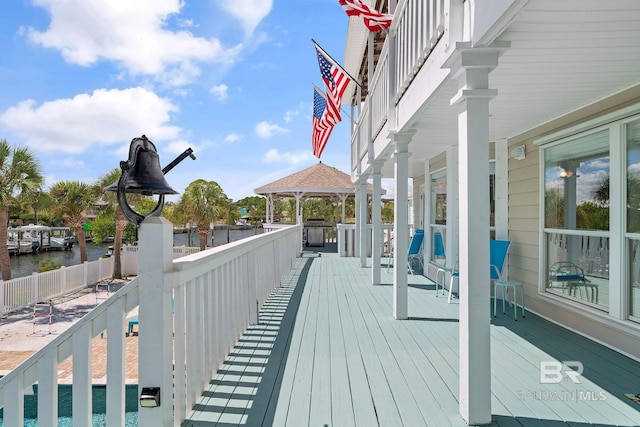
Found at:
[216, 294]
[21, 292]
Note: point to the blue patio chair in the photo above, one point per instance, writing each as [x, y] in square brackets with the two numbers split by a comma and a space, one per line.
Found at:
[499, 249]
[439, 252]
[414, 251]
[497, 255]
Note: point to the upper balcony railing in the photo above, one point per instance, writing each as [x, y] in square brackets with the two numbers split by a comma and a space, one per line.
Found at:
[216, 294]
[418, 26]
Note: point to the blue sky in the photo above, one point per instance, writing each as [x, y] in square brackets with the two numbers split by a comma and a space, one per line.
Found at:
[230, 78]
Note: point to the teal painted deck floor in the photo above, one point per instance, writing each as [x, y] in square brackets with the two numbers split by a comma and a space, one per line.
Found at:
[327, 352]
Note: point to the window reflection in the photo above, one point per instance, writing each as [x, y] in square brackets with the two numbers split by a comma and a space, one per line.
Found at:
[439, 205]
[633, 177]
[634, 278]
[577, 184]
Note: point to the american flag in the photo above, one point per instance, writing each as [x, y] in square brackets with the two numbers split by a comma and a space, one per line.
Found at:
[321, 128]
[336, 82]
[374, 20]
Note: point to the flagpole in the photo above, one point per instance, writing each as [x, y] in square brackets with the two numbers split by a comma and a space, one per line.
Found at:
[320, 91]
[338, 65]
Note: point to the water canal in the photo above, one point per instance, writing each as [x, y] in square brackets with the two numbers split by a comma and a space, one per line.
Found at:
[26, 264]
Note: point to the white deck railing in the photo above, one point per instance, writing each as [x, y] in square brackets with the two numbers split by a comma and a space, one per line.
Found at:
[216, 295]
[347, 242]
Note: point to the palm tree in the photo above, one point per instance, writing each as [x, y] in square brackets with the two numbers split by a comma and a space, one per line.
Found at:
[121, 222]
[19, 174]
[71, 200]
[204, 202]
[37, 201]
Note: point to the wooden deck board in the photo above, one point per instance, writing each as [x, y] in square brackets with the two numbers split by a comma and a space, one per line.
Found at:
[340, 359]
[428, 390]
[342, 406]
[363, 407]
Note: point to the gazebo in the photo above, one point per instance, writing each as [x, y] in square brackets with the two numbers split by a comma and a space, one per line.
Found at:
[317, 181]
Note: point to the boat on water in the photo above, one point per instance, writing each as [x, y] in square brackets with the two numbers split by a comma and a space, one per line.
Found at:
[34, 238]
[243, 224]
[19, 247]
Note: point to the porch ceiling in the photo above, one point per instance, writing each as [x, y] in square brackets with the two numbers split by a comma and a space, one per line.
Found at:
[563, 56]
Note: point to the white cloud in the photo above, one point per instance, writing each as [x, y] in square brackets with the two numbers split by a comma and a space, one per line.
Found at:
[179, 146]
[133, 34]
[103, 117]
[232, 137]
[220, 92]
[266, 130]
[274, 156]
[289, 115]
[248, 12]
[70, 162]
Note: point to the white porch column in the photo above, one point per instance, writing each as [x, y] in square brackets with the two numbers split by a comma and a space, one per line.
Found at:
[343, 200]
[271, 208]
[401, 223]
[363, 221]
[267, 218]
[471, 67]
[453, 232]
[376, 222]
[298, 196]
[155, 361]
[426, 216]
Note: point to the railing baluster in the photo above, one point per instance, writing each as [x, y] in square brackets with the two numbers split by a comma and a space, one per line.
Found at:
[180, 403]
[115, 364]
[13, 402]
[81, 350]
[199, 334]
[192, 378]
[48, 390]
[207, 328]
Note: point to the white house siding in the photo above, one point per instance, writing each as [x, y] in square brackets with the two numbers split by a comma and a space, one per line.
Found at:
[524, 232]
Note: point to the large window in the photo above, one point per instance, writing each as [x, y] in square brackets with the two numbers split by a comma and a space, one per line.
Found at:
[438, 212]
[633, 215]
[438, 224]
[576, 218]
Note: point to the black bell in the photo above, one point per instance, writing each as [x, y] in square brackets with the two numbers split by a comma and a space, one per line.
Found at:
[142, 171]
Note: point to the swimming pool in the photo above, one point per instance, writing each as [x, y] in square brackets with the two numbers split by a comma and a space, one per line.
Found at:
[99, 404]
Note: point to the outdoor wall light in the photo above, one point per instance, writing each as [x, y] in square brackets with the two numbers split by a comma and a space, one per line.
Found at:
[518, 153]
[141, 174]
[150, 397]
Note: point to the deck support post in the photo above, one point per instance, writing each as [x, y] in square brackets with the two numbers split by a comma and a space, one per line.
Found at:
[376, 222]
[155, 333]
[400, 141]
[471, 67]
[362, 220]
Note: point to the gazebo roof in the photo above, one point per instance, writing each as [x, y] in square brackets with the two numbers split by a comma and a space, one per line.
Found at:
[318, 180]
